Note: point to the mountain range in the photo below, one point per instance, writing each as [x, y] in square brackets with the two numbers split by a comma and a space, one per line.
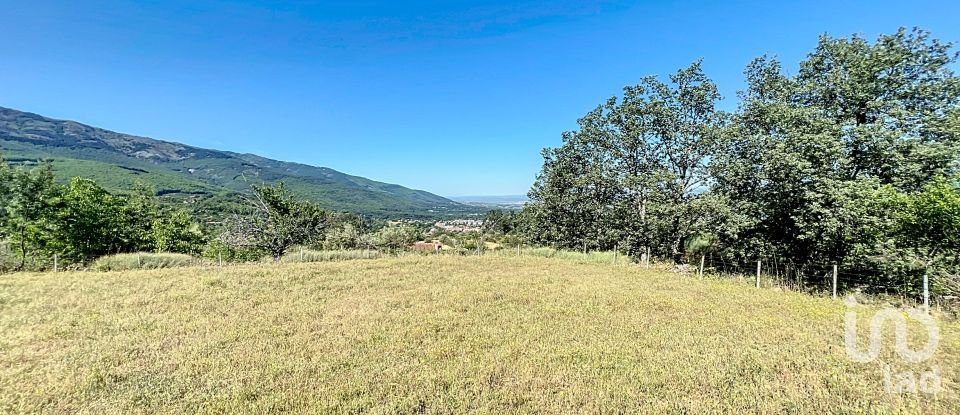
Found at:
[494, 202]
[177, 171]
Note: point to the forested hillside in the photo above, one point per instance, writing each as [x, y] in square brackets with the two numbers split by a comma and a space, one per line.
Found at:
[118, 161]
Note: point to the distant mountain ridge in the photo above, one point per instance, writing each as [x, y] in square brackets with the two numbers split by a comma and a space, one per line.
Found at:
[498, 201]
[117, 161]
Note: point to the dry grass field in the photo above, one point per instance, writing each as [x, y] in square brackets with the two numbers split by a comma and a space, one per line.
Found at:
[437, 335]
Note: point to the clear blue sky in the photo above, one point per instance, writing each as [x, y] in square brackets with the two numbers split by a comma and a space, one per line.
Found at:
[453, 97]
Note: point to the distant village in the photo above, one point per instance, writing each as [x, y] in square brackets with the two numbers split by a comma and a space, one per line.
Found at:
[459, 225]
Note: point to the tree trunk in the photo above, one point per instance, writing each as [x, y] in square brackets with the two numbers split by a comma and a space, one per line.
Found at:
[23, 249]
[676, 251]
[676, 246]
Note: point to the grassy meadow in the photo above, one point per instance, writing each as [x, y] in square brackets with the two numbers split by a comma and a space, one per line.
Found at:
[438, 334]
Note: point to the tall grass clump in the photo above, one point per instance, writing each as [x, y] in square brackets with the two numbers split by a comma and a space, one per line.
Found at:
[601, 257]
[309, 255]
[143, 260]
[8, 261]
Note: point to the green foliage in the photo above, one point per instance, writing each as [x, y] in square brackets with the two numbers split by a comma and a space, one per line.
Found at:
[8, 259]
[344, 231]
[635, 172]
[842, 163]
[510, 222]
[82, 221]
[275, 222]
[344, 236]
[804, 153]
[143, 260]
[32, 207]
[931, 218]
[923, 237]
[176, 233]
[90, 222]
[825, 166]
[393, 238]
[182, 173]
[6, 196]
[472, 242]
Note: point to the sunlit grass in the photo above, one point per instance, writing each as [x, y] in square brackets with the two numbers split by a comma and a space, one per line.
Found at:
[309, 255]
[143, 260]
[435, 334]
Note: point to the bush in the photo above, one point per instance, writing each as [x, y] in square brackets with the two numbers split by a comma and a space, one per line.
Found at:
[396, 237]
[310, 255]
[143, 260]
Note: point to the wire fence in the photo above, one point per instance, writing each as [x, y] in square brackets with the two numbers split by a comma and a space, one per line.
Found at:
[835, 279]
[809, 277]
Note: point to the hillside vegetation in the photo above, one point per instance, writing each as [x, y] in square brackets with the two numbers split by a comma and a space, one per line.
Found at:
[117, 161]
[436, 334]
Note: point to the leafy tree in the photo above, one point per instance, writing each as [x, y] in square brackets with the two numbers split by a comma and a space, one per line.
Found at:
[32, 201]
[344, 231]
[809, 161]
[176, 233]
[394, 238]
[276, 222]
[931, 219]
[497, 221]
[682, 128]
[142, 212]
[635, 171]
[90, 222]
[346, 236]
[571, 198]
[894, 104]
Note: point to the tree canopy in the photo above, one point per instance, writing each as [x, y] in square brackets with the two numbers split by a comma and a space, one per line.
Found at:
[852, 160]
[276, 221]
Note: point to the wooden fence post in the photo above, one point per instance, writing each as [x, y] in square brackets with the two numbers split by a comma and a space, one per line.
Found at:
[139, 261]
[758, 273]
[220, 259]
[834, 281]
[926, 292]
[702, 258]
[56, 267]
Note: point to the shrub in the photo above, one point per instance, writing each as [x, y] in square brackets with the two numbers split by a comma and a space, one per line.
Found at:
[143, 260]
[396, 237]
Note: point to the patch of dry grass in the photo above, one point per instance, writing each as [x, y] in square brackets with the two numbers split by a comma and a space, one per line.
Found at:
[143, 260]
[309, 255]
[434, 334]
